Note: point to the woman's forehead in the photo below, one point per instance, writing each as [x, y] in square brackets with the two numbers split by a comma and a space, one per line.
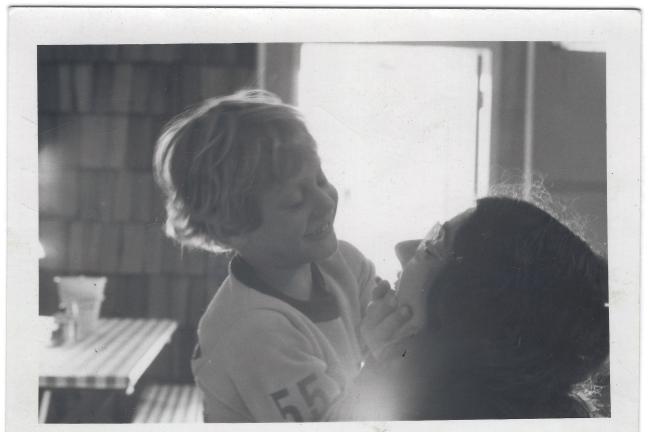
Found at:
[405, 250]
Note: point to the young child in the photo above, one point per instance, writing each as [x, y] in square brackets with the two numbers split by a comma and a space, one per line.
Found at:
[286, 333]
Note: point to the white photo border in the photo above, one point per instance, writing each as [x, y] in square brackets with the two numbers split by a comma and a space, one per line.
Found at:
[619, 30]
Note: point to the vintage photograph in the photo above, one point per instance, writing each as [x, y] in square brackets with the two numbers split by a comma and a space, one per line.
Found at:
[159, 164]
[323, 231]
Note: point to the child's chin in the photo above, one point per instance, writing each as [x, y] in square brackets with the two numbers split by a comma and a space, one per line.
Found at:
[327, 246]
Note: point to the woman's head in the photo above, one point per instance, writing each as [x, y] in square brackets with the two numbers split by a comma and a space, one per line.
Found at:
[518, 312]
[215, 161]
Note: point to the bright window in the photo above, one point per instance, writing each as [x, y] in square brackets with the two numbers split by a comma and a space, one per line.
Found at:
[399, 136]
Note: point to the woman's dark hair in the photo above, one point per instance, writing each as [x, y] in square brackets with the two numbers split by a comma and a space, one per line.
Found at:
[525, 300]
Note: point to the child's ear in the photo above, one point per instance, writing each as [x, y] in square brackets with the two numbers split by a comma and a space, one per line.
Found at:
[236, 241]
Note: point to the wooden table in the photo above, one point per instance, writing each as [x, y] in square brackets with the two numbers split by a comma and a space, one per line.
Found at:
[114, 357]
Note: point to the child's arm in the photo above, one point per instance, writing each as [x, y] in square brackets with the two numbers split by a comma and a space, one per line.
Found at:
[379, 318]
[384, 319]
[364, 270]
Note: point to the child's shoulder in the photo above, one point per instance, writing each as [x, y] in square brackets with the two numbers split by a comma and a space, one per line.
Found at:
[349, 252]
[348, 258]
[235, 308]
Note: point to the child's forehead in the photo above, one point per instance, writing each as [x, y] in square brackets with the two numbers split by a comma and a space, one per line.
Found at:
[307, 169]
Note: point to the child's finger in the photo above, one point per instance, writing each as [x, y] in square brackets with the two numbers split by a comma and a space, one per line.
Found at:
[390, 325]
[382, 287]
[379, 309]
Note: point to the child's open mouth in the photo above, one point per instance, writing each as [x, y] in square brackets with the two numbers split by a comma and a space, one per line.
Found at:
[320, 232]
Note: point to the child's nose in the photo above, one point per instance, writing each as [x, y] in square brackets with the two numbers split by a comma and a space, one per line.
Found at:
[326, 200]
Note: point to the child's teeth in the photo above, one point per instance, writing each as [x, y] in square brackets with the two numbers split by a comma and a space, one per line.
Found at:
[324, 228]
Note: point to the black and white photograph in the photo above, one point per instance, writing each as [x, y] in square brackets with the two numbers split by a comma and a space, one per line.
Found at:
[351, 220]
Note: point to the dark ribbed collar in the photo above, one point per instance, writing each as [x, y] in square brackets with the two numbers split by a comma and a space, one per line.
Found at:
[322, 306]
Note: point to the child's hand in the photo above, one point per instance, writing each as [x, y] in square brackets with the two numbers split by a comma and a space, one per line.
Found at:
[383, 318]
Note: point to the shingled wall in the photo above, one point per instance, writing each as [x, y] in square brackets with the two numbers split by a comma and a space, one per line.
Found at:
[100, 110]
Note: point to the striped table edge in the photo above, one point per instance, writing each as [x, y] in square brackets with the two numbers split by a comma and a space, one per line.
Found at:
[146, 337]
[106, 382]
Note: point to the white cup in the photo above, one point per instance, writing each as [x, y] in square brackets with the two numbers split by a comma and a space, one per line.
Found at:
[88, 294]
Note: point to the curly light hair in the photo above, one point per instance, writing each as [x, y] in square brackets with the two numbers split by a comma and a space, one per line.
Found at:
[214, 161]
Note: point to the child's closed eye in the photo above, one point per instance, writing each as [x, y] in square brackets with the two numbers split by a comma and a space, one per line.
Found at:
[293, 203]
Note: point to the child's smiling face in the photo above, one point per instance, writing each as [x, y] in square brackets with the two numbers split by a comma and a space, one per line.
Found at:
[297, 220]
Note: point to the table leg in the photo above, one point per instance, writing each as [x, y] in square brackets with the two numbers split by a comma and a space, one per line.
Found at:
[43, 409]
[124, 406]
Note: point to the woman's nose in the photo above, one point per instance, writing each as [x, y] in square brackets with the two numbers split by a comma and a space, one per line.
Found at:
[406, 250]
